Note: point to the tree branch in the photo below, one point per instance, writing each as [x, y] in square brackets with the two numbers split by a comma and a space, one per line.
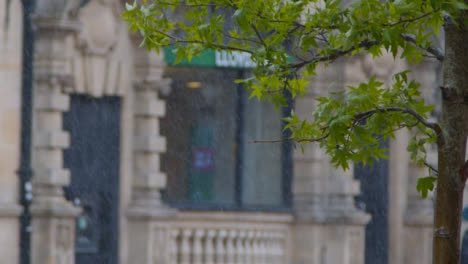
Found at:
[409, 20]
[291, 139]
[434, 126]
[438, 53]
[259, 36]
[364, 44]
[431, 168]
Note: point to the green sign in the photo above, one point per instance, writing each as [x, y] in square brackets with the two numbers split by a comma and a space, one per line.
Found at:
[213, 59]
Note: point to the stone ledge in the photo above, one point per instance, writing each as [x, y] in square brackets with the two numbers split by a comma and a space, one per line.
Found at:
[150, 108]
[50, 23]
[150, 179]
[419, 219]
[153, 84]
[10, 210]
[164, 213]
[255, 217]
[154, 144]
[52, 102]
[55, 209]
[52, 139]
[150, 212]
[52, 176]
[334, 218]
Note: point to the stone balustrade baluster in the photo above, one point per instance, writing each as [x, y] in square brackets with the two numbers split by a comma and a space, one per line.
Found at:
[268, 247]
[255, 248]
[248, 245]
[277, 248]
[209, 250]
[173, 248]
[240, 250]
[261, 248]
[220, 253]
[191, 243]
[230, 247]
[186, 249]
[197, 246]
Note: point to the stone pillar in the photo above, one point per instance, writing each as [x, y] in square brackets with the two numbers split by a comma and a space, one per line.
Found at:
[418, 221]
[397, 180]
[146, 206]
[329, 229]
[53, 224]
[419, 213]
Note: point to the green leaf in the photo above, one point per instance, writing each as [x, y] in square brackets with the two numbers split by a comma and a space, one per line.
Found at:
[131, 7]
[460, 5]
[425, 185]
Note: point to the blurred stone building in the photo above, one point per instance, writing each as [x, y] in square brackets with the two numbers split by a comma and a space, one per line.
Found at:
[111, 155]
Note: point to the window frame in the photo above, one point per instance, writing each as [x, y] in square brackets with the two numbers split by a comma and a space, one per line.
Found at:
[238, 204]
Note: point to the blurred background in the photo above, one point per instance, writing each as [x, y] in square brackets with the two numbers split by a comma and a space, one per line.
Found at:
[110, 154]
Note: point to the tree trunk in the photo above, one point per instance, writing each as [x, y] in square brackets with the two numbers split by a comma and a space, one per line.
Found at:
[452, 146]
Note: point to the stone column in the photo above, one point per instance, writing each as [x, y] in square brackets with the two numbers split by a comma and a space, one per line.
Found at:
[148, 180]
[53, 224]
[329, 229]
[397, 184]
[146, 206]
[419, 213]
[418, 221]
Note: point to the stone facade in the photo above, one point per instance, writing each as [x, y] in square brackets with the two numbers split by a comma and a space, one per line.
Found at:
[89, 51]
[10, 100]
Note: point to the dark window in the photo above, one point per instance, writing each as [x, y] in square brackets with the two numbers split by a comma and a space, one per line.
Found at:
[210, 160]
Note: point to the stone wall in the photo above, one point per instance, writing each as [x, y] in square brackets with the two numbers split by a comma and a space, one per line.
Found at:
[10, 101]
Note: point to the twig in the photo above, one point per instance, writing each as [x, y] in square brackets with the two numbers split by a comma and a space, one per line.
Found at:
[431, 167]
[438, 53]
[259, 35]
[426, 123]
[409, 20]
[290, 139]
[330, 57]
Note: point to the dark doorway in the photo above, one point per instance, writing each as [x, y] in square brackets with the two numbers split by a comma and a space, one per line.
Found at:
[93, 160]
[374, 199]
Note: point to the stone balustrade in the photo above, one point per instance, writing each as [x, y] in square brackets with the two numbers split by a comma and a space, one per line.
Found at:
[219, 241]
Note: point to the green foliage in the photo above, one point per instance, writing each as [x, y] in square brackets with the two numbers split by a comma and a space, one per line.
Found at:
[288, 39]
[425, 185]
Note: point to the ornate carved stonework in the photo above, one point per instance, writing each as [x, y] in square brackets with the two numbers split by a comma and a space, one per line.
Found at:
[101, 59]
[383, 67]
[100, 27]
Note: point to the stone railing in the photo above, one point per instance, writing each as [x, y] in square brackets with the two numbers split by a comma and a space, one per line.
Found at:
[222, 238]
